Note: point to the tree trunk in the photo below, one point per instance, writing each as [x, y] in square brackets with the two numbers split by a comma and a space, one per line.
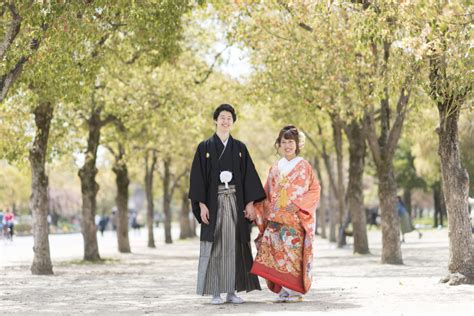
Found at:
[321, 215]
[391, 251]
[89, 187]
[39, 190]
[340, 190]
[455, 184]
[122, 180]
[355, 193]
[150, 215]
[438, 204]
[321, 211]
[332, 203]
[167, 200]
[442, 203]
[331, 197]
[383, 148]
[407, 200]
[193, 227]
[185, 222]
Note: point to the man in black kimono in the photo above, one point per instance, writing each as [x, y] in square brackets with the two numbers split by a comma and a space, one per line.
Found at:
[224, 185]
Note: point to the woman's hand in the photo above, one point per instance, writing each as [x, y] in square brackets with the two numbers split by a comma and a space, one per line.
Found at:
[292, 208]
[250, 212]
[204, 213]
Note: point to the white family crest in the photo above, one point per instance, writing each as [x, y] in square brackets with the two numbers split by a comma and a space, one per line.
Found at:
[226, 177]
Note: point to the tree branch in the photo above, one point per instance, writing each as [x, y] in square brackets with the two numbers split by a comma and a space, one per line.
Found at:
[12, 31]
[154, 160]
[110, 119]
[371, 134]
[402, 108]
[437, 77]
[384, 102]
[365, 3]
[208, 73]
[327, 163]
[112, 151]
[300, 24]
[176, 181]
[305, 27]
[134, 58]
[7, 80]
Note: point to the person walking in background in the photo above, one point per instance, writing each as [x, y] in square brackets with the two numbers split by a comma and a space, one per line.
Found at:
[104, 220]
[9, 224]
[406, 224]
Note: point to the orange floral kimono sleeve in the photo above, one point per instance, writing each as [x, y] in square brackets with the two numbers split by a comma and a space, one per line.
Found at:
[310, 198]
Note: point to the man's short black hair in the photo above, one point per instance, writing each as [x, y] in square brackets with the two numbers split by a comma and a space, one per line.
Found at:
[225, 107]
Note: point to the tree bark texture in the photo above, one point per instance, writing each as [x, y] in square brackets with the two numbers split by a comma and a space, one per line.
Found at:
[186, 230]
[356, 138]
[455, 182]
[122, 180]
[150, 214]
[89, 187]
[39, 190]
[167, 199]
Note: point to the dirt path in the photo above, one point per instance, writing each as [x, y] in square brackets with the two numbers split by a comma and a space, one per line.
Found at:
[162, 281]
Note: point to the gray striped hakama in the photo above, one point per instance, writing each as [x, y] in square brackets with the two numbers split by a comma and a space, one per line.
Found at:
[216, 272]
[223, 266]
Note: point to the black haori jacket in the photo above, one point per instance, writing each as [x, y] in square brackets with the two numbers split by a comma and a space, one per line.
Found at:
[204, 182]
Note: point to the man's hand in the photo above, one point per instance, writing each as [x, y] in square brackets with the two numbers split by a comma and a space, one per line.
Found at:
[204, 213]
[250, 212]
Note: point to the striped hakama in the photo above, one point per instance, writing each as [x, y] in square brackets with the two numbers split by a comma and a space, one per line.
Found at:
[224, 263]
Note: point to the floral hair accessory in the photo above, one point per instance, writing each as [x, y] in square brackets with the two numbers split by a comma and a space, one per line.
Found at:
[302, 139]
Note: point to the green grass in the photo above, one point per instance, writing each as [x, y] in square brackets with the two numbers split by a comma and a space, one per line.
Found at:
[428, 221]
[425, 223]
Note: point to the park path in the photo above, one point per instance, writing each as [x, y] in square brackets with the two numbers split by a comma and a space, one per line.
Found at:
[162, 281]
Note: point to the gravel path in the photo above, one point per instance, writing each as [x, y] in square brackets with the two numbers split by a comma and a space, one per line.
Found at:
[163, 281]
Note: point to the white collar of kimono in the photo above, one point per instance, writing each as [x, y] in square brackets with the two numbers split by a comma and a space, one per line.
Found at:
[285, 166]
[225, 146]
[225, 142]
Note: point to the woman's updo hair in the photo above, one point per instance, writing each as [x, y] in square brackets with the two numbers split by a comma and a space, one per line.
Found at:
[289, 132]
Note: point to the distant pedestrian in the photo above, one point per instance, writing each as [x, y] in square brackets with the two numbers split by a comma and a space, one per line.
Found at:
[373, 214]
[113, 220]
[9, 224]
[406, 224]
[135, 225]
[104, 220]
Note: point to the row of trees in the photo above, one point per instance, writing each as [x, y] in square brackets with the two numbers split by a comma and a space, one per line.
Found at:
[131, 77]
[361, 68]
[98, 73]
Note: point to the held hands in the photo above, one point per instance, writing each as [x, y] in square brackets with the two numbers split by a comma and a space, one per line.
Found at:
[204, 213]
[250, 212]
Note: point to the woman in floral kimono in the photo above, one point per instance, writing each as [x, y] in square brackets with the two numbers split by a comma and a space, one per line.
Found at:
[286, 221]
